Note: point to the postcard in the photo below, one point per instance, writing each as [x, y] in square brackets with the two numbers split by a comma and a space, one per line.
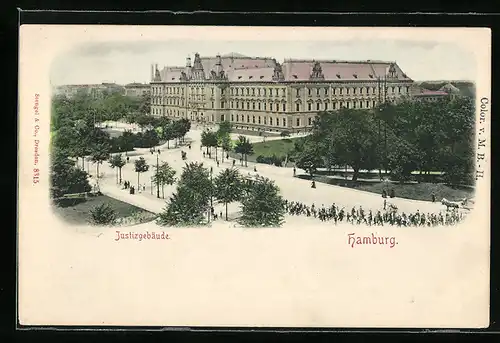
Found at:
[306, 177]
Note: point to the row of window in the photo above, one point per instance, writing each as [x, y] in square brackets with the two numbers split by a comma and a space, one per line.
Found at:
[276, 91]
[257, 120]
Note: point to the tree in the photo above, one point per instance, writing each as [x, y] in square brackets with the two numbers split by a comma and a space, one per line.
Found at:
[227, 145]
[243, 147]
[99, 153]
[183, 209]
[224, 128]
[350, 135]
[228, 187]
[164, 175]
[262, 206]
[103, 214]
[66, 178]
[285, 133]
[209, 139]
[117, 161]
[223, 137]
[310, 159]
[168, 133]
[192, 199]
[140, 167]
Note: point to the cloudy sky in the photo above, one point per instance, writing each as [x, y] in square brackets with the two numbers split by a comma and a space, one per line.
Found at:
[124, 62]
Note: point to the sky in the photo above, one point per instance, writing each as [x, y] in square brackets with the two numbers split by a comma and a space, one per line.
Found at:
[130, 61]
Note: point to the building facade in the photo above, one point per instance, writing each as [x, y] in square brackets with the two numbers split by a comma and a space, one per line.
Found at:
[137, 90]
[95, 91]
[261, 93]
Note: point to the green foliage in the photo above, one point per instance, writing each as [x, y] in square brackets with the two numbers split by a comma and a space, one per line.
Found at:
[103, 214]
[183, 209]
[285, 133]
[164, 175]
[309, 159]
[345, 137]
[228, 186]
[243, 147]
[262, 206]
[140, 166]
[66, 178]
[187, 206]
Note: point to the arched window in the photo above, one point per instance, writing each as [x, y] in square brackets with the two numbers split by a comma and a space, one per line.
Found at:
[253, 119]
[284, 121]
[317, 106]
[298, 122]
[297, 107]
[309, 121]
[284, 107]
[270, 120]
[309, 106]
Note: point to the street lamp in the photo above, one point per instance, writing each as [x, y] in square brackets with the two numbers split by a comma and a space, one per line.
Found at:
[157, 171]
[211, 191]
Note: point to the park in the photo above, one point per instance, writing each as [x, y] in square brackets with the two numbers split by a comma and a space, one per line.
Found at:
[353, 165]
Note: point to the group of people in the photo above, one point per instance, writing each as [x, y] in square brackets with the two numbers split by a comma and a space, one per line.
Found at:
[385, 217]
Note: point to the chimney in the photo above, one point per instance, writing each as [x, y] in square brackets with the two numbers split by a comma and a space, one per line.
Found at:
[188, 62]
[152, 72]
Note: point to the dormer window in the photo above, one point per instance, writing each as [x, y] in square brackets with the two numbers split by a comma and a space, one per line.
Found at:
[239, 77]
[250, 76]
[173, 78]
[355, 76]
[294, 76]
[338, 76]
[261, 77]
[371, 76]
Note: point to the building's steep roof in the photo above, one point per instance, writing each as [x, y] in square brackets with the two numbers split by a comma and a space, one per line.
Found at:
[257, 69]
[250, 74]
[172, 74]
[230, 63]
[300, 70]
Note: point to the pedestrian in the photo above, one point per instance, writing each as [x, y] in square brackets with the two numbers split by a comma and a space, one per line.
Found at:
[128, 159]
[203, 154]
[294, 171]
[234, 161]
[393, 195]
[385, 203]
[384, 193]
[159, 152]
[313, 184]
[255, 168]
[144, 187]
[220, 214]
[189, 146]
[227, 156]
[433, 196]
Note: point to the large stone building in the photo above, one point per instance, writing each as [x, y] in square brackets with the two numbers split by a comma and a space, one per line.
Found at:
[137, 90]
[260, 93]
[95, 91]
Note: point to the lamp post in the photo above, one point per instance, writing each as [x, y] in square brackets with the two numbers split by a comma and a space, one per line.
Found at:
[211, 195]
[157, 171]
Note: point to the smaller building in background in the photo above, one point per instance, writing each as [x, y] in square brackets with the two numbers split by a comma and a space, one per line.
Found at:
[137, 90]
[428, 95]
[96, 91]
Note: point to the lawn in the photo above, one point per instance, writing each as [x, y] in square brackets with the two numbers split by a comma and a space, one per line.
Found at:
[80, 213]
[416, 191]
[278, 147]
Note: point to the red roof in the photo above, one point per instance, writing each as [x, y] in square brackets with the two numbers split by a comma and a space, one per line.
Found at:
[426, 92]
